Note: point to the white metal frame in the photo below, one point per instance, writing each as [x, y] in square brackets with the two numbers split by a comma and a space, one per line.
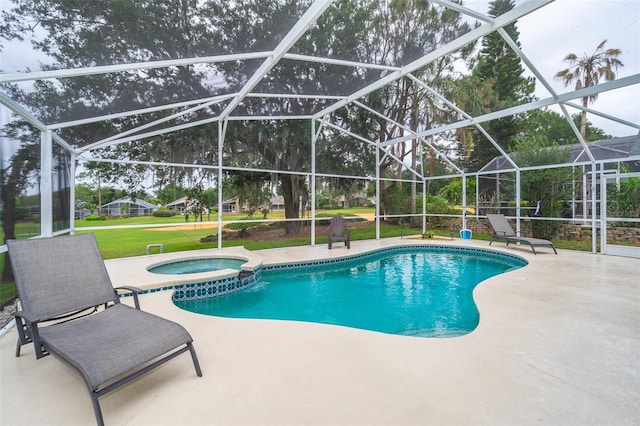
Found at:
[320, 119]
[605, 220]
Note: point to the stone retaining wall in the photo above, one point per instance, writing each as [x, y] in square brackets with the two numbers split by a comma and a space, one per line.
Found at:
[619, 234]
[567, 231]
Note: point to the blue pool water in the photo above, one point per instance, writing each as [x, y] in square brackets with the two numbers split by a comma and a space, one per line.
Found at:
[427, 294]
[191, 266]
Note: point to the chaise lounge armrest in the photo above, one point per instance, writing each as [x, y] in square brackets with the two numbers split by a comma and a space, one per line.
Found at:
[27, 316]
[27, 325]
[133, 290]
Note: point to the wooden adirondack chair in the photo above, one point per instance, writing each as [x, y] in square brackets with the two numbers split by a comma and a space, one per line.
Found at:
[339, 231]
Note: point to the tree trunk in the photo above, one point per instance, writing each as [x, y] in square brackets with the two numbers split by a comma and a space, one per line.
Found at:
[290, 192]
[100, 197]
[9, 220]
[583, 119]
[400, 153]
[63, 193]
[414, 188]
[382, 185]
[415, 119]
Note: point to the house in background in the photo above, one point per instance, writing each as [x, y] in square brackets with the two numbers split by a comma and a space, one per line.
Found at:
[178, 205]
[230, 205]
[355, 200]
[181, 206]
[186, 205]
[277, 203]
[81, 213]
[126, 206]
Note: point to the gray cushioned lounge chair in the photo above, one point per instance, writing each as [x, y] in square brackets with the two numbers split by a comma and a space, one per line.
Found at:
[339, 231]
[63, 281]
[502, 230]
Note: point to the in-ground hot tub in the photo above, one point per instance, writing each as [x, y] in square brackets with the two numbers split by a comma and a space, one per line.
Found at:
[204, 276]
[193, 266]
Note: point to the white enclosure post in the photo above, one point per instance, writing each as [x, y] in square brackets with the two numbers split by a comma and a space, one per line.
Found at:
[603, 210]
[378, 191]
[518, 202]
[464, 201]
[477, 196]
[584, 194]
[573, 194]
[424, 206]
[46, 185]
[594, 229]
[314, 138]
[72, 192]
[222, 127]
[498, 191]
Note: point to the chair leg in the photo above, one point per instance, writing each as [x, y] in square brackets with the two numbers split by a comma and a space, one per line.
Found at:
[23, 339]
[96, 409]
[194, 357]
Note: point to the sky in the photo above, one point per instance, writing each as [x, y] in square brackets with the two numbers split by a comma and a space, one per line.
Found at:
[546, 37]
[578, 26]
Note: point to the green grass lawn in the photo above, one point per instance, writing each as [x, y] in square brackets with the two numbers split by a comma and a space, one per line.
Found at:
[115, 243]
[7, 292]
[179, 219]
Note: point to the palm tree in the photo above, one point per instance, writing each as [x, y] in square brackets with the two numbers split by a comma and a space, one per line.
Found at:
[586, 72]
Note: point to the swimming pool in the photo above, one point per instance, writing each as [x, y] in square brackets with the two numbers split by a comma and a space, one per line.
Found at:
[409, 291]
[193, 266]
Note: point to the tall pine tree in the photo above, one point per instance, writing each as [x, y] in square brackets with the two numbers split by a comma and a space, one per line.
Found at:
[499, 71]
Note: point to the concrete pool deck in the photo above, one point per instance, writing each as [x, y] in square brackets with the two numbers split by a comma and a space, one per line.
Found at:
[558, 344]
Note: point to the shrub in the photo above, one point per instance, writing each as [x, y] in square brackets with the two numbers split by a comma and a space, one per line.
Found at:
[436, 205]
[394, 201]
[243, 232]
[209, 239]
[163, 212]
[22, 213]
[453, 191]
[94, 217]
